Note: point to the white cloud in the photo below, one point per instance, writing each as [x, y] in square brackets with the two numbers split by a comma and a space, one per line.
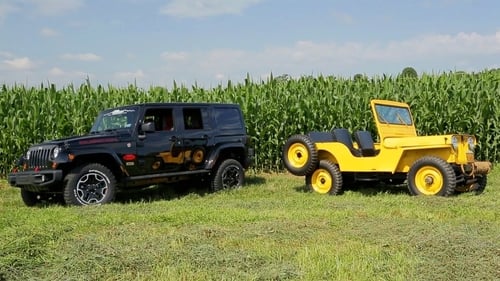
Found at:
[56, 71]
[468, 51]
[174, 56]
[205, 8]
[23, 63]
[48, 32]
[434, 52]
[425, 47]
[63, 77]
[129, 75]
[6, 55]
[81, 57]
[220, 76]
[60, 73]
[56, 7]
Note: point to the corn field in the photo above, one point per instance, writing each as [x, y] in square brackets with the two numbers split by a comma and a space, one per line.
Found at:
[274, 109]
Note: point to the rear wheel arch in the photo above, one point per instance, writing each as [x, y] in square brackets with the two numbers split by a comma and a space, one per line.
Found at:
[226, 152]
[327, 155]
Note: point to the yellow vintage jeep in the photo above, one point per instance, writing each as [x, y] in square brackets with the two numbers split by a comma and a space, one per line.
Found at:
[431, 165]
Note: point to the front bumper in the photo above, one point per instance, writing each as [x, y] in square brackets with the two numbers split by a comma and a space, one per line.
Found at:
[481, 167]
[41, 180]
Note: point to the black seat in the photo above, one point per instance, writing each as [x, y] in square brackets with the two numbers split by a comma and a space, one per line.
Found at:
[321, 136]
[365, 143]
[343, 136]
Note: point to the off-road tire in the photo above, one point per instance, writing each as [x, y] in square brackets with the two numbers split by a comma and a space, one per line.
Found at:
[30, 198]
[229, 175]
[299, 155]
[431, 176]
[91, 184]
[326, 179]
[482, 180]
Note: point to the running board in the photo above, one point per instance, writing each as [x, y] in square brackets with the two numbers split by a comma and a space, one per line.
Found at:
[145, 180]
[166, 175]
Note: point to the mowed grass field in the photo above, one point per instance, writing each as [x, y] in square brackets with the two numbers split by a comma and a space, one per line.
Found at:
[272, 229]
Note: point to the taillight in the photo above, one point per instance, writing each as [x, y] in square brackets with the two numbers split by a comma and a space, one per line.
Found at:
[129, 157]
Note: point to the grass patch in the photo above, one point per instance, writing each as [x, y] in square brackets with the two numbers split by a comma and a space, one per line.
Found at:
[269, 230]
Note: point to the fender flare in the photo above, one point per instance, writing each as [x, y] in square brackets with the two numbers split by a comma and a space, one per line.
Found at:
[213, 157]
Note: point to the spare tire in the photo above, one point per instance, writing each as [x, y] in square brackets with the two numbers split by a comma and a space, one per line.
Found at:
[299, 155]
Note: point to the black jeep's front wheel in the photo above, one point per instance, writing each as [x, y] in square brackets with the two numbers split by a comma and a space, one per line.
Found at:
[230, 174]
[91, 184]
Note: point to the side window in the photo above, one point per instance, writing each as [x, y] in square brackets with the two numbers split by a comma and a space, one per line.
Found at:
[162, 118]
[228, 118]
[192, 119]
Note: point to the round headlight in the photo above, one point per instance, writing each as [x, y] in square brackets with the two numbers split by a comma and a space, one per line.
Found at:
[55, 152]
[454, 142]
[28, 154]
[471, 141]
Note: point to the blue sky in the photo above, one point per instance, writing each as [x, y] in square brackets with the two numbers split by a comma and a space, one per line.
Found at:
[154, 42]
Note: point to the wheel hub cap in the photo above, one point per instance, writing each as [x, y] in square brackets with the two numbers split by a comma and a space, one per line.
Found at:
[321, 181]
[91, 188]
[429, 180]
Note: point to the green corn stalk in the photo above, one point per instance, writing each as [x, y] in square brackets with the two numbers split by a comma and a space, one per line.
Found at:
[274, 108]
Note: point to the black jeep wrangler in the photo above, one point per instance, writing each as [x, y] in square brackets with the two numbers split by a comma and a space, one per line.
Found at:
[137, 146]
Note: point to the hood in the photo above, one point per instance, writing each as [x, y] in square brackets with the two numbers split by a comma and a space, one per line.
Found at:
[91, 139]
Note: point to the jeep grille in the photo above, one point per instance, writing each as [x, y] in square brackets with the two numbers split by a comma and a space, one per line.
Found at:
[39, 157]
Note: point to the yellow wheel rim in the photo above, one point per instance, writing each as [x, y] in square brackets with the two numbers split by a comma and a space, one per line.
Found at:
[298, 155]
[321, 181]
[429, 180]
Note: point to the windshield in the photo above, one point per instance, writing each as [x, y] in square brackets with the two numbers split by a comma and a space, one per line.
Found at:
[393, 115]
[115, 119]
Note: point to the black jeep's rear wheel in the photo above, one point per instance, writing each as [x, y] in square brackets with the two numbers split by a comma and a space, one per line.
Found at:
[230, 174]
[431, 176]
[299, 155]
[91, 184]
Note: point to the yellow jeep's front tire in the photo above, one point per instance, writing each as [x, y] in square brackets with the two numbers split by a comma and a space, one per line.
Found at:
[431, 176]
[299, 155]
[326, 179]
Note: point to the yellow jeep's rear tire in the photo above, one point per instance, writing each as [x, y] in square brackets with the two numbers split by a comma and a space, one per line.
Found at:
[431, 176]
[299, 155]
[326, 179]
